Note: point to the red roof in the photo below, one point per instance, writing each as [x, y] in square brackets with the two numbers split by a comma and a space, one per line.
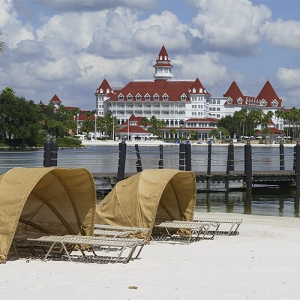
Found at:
[163, 59]
[268, 94]
[197, 85]
[55, 99]
[104, 88]
[173, 89]
[202, 120]
[133, 129]
[272, 130]
[234, 92]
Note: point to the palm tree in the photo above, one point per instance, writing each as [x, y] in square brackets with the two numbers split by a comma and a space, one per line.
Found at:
[242, 116]
[279, 114]
[145, 122]
[172, 131]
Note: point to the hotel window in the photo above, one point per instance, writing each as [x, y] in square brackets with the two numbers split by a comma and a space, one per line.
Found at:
[129, 97]
[147, 97]
[165, 97]
[183, 97]
[121, 97]
[156, 97]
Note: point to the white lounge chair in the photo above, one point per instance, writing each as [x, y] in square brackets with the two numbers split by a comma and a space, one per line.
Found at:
[74, 240]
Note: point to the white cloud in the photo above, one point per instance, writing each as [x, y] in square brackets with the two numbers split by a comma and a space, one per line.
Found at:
[164, 29]
[283, 33]
[204, 66]
[93, 5]
[231, 26]
[13, 30]
[289, 78]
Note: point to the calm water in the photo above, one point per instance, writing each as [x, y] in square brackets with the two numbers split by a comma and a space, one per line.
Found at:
[104, 159]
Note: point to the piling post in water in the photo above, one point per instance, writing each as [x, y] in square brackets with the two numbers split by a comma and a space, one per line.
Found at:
[208, 172]
[296, 204]
[181, 157]
[161, 157]
[188, 157]
[54, 150]
[122, 160]
[230, 164]
[248, 164]
[47, 152]
[138, 163]
[281, 155]
[297, 165]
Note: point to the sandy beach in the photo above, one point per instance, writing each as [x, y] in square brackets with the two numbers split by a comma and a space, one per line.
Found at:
[262, 262]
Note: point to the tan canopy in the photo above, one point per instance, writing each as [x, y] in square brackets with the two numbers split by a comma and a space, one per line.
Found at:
[150, 195]
[45, 200]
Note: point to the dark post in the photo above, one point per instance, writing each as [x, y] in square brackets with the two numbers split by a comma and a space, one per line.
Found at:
[161, 157]
[181, 157]
[296, 204]
[188, 157]
[248, 164]
[54, 149]
[47, 152]
[122, 160]
[230, 164]
[208, 165]
[297, 164]
[281, 155]
[138, 162]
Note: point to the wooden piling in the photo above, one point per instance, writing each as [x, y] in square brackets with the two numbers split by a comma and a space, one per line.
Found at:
[138, 163]
[248, 164]
[122, 160]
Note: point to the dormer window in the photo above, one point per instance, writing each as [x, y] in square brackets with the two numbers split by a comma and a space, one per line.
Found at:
[229, 101]
[147, 97]
[138, 97]
[263, 102]
[194, 90]
[274, 102]
[183, 97]
[129, 97]
[200, 90]
[156, 97]
[101, 91]
[165, 97]
[240, 101]
[107, 91]
[121, 97]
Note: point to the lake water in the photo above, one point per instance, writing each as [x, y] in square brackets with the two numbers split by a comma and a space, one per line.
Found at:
[104, 159]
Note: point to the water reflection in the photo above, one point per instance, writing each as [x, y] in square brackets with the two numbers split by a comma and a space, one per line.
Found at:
[259, 201]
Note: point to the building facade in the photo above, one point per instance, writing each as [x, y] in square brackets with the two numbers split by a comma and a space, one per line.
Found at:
[184, 105]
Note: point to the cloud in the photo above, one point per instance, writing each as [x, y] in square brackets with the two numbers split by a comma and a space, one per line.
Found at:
[12, 28]
[289, 78]
[284, 34]
[230, 26]
[63, 6]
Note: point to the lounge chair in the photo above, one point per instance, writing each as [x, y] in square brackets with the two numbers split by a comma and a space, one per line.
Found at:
[71, 241]
[131, 231]
[183, 230]
[233, 224]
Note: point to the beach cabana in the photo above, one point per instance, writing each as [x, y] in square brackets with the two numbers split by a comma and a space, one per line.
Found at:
[47, 201]
[147, 197]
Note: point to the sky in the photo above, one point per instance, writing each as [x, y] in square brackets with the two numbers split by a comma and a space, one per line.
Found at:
[67, 47]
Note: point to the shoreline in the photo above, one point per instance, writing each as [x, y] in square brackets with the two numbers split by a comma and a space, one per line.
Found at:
[157, 143]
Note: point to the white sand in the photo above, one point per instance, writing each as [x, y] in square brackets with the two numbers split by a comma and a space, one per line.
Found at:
[262, 262]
